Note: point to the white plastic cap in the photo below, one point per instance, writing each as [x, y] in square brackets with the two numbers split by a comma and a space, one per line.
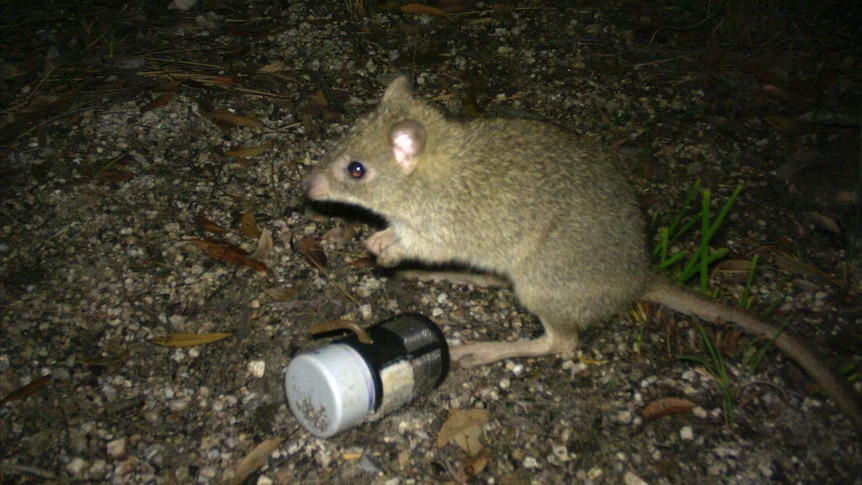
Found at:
[329, 390]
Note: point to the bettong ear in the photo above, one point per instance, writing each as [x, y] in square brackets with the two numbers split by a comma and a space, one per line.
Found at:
[397, 90]
[408, 140]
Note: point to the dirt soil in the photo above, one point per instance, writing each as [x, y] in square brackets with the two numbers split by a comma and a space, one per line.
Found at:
[151, 163]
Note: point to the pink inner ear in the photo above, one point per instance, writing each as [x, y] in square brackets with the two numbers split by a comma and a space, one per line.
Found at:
[404, 148]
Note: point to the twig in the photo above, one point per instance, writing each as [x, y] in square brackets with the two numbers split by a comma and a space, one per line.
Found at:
[30, 470]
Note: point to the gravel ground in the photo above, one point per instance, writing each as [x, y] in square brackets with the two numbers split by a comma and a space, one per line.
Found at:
[134, 135]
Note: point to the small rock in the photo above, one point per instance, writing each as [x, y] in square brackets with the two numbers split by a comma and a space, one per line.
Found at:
[117, 448]
[561, 453]
[686, 433]
[631, 479]
[257, 368]
[76, 466]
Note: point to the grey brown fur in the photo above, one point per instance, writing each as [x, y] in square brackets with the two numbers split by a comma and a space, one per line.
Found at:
[523, 200]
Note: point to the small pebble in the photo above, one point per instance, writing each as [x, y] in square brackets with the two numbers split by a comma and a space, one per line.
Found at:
[686, 433]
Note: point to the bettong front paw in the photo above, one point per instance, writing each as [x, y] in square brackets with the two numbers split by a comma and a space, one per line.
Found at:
[384, 245]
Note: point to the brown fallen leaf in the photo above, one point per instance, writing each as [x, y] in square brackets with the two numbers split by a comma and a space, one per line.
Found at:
[308, 123]
[229, 118]
[26, 390]
[116, 354]
[264, 246]
[243, 162]
[367, 262]
[158, 102]
[276, 66]
[455, 6]
[254, 461]
[667, 407]
[823, 221]
[218, 249]
[259, 267]
[103, 362]
[280, 294]
[312, 252]
[248, 152]
[113, 170]
[229, 253]
[464, 427]
[733, 266]
[188, 339]
[471, 105]
[780, 124]
[115, 175]
[420, 9]
[208, 225]
[248, 225]
[474, 465]
[221, 80]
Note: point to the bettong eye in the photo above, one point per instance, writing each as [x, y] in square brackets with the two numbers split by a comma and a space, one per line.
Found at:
[356, 169]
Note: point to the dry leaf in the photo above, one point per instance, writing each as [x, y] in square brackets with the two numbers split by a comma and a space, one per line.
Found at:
[665, 151]
[254, 460]
[774, 91]
[419, 9]
[464, 427]
[208, 225]
[823, 222]
[792, 264]
[222, 80]
[115, 175]
[780, 124]
[158, 102]
[243, 162]
[188, 339]
[474, 465]
[116, 354]
[264, 246]
[367, 262]
[274, 67]
[455, 6]
[229, 118]
[799, 161]
[308, 123]
[259, 267]
[248, 226]
[104, 362]
[229, 253]
[319, 97]
[25, 391]
[220, 250]
[471, 106]
[280, 294]
[734, 266]
[9, 71]
[249, 152]
[312, 252]
[667, 406]
[408, 29]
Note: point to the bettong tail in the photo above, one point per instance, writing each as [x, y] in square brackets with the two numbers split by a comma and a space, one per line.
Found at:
[690, 303]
